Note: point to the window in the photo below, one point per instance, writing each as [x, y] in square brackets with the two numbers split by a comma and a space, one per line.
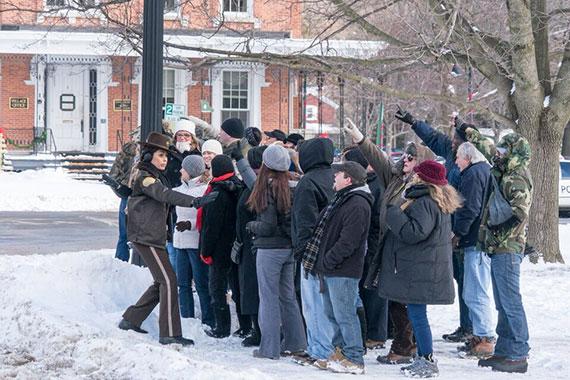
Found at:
[311, 113]
[565, 169]
[170, 6]
[235, 5]
[235, 96]
[168, 87]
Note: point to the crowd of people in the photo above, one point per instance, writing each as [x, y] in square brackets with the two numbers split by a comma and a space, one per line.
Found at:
[326, 258]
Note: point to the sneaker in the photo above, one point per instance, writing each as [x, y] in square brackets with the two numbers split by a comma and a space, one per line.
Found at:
[251, 341]
[242, 333]
[176, 340]
[490, 362]
[288, 353]
[393, 358]
[421, 368]
[374, 344]
[479, 348]
[511, 366]
[126, 325]
[321, 363]
[459, 335]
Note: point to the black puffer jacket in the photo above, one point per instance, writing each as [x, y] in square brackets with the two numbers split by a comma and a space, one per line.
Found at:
[219, 221]
[417, 267]
[314, 190]
[147, 207]
[175, 158]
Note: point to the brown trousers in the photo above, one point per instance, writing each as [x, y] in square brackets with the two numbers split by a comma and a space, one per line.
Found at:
[163, 290]
[403, 343]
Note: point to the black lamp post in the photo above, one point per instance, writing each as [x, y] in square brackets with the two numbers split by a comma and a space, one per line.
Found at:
[153, 35]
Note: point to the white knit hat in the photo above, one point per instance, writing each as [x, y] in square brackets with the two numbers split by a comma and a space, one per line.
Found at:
[213, 146]
[184, 125]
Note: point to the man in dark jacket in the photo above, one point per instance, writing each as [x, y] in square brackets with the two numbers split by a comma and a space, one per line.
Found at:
[443, 146]
[312, 195]
[339, 243]
[475, 172]
[375, 317]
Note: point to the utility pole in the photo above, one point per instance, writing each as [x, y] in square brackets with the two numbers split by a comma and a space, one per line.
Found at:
[153, 36]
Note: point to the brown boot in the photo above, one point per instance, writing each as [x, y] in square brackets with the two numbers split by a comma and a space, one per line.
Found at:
[393, 358]
[481, 348]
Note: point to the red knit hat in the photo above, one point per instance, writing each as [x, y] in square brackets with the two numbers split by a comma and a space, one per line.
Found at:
[432, 172]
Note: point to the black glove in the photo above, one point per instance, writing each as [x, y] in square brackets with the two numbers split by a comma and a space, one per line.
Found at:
[404, 116]
[202, 201]
[236, 153]
[120, 190]
[184, 226]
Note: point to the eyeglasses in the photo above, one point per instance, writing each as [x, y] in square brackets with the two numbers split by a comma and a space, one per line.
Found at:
[409, 158]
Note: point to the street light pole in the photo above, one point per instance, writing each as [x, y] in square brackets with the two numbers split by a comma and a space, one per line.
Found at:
[153, 35]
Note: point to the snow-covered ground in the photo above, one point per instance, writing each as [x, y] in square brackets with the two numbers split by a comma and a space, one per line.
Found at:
[58, 313]
[53, 190]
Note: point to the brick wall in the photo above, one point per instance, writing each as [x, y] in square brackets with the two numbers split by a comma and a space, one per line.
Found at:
[14, 71]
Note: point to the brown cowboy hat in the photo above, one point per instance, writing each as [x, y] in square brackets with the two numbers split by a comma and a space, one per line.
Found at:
[156, 140]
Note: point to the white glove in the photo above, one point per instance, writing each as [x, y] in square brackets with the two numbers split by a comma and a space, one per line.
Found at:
[350, 129]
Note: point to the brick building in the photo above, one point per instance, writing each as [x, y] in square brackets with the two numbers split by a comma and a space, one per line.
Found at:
[67, 74]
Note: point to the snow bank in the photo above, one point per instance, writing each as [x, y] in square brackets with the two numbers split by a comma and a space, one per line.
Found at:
[59, 316]
[53, 190]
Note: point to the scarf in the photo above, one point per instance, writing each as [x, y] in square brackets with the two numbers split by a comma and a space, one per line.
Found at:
[311, 249]
[208, 191]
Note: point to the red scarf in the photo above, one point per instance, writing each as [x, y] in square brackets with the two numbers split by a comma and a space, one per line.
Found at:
[208, 191]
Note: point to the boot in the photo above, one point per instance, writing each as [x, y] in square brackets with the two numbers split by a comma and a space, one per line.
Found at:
[511, 366]
[223, 322]
[244, 326]
[363, 326]
[393, 358]
[126, 325]
[490, 362]
[422, 367]
[480, 347]
[255, 338]
[176, 340]
[459, 335]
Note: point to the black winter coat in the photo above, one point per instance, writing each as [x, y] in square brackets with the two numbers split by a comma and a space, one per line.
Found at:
[219, 222]
[343, 245]
[417, 266]
[377, 191]
[473, 187]
[314, 190]
[175, 158]
[247, 272]
[148, 205]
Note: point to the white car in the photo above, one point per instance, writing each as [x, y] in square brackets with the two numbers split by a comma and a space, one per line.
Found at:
[564, 183]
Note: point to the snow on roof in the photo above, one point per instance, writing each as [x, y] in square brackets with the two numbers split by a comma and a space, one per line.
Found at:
[315, 92]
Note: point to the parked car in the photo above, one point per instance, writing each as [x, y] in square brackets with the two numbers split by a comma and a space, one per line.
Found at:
[564, 183]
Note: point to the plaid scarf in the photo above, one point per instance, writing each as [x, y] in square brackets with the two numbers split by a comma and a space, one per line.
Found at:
[311, 249]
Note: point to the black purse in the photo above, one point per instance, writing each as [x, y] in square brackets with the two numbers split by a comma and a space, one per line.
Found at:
[237, 250]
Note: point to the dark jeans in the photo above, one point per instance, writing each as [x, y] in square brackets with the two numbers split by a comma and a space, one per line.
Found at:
[512, 327]
[188, 267]
[218, 283]
[458, 269]
[422, 330]
[122, 252]
[376, 309]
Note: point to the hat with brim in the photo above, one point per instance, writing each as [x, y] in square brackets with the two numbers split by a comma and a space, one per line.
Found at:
[352, 169]
[156, 140]
[277, 134]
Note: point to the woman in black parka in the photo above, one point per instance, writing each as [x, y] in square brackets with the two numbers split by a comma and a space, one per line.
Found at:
[417, 265]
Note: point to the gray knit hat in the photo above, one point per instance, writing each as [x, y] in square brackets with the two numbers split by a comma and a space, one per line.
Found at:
[275, 157]
[194, 165]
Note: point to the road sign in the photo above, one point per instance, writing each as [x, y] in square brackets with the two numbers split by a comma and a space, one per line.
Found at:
[174, 111]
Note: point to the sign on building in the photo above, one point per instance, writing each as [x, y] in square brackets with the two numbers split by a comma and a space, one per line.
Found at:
[122, 104]
[18, 103]
[174, 111]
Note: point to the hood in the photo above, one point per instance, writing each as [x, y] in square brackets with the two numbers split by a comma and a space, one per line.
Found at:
[363, 191]
[315, 152]
[416, 191]
[518, 152]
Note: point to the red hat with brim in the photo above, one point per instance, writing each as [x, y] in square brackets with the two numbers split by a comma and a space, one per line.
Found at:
[432, 172]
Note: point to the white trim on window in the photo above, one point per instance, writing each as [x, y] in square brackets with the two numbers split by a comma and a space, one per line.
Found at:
[230, 16]
[311, 113]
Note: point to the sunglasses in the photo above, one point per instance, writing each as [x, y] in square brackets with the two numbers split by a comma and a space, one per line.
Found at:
[409, 158]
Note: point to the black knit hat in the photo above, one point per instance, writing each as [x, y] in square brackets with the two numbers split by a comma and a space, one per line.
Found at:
[233, 127]
[222, 164]
[253, 136]
[255, 156]
[356, 155]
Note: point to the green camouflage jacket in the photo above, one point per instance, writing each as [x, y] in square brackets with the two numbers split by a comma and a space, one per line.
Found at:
[514, 179]
[121, 169]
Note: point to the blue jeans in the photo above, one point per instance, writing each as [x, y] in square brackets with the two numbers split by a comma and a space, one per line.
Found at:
[122, 252]
[422, 331]
[319, 331]
[340, 299]
[464, 319]
[172, 253]
[512, 327]
[477, 290]
[189, 266]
